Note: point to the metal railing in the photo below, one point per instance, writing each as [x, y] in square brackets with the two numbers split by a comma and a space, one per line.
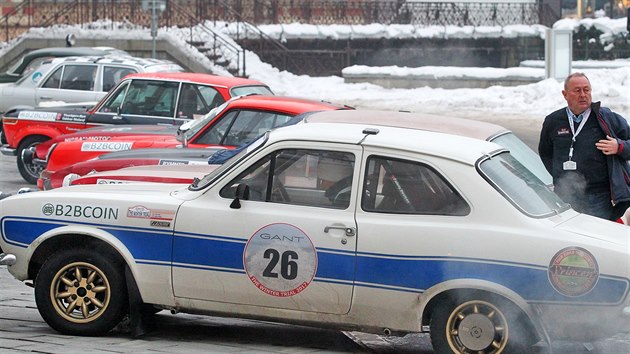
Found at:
[40, 13]
[248, 14]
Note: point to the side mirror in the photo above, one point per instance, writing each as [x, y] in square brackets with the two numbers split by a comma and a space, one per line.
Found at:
[181, 131]
[242, 192]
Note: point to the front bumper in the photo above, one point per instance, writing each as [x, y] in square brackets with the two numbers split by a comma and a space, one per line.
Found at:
[29, 156]
[9, 151]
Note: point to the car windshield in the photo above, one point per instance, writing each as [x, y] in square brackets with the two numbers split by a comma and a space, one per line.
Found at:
[193, 126]
[15, 66]
[520, 186]
[246, 150]
[248, 90]
[22, 79]
[525, 155]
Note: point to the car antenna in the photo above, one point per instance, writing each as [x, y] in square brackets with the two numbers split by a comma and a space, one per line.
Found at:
[368, 131]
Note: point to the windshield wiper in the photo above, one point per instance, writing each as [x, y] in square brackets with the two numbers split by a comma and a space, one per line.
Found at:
[195, 182]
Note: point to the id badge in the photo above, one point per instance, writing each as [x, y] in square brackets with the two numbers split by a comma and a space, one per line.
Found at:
[569, 166]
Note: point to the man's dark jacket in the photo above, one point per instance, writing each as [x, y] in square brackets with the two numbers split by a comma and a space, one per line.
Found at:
[613, 125]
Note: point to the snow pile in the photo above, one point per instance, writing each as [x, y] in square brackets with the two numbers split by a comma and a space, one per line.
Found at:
[610, 80]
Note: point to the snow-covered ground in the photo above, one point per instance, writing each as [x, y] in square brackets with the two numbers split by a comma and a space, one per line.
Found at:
[610, 80]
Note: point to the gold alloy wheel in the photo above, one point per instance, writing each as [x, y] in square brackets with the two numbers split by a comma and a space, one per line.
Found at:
[80, 292]
[477, 327]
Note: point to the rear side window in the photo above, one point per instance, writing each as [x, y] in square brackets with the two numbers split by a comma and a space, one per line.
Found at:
[197, 100]
[112, 75]
[407, 187]
[79, 77]
[247, 90]
[210, 96]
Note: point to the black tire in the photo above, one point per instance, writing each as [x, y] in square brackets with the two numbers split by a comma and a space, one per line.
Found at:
[81, 292]
[479, 324]
[3, 139]
[29, 172]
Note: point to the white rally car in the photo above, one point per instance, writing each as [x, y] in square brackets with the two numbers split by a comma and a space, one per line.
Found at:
[358, 227]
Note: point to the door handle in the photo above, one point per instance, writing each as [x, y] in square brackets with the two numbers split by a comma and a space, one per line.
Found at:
[117, 117]
[45, 98]
[350, 232]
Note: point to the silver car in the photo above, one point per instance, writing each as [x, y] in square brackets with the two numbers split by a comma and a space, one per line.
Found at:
[75, 79]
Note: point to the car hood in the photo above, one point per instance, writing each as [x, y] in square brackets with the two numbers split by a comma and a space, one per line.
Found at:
[190, 170]
[163, 174]
[598, 229]
[162, 153]
[94, 194]
[108, 133]
[141, 205]
[130, 129]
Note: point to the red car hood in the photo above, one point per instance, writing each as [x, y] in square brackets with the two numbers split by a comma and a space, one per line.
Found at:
[107, 133]
[70, 152]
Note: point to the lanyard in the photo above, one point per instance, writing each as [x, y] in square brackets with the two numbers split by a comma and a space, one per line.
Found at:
[575, 132]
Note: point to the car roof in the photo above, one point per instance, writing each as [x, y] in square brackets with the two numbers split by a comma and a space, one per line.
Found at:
[110, 59]
[419, 121]
[452, 146]
[73, 51]
[292, 105]
[201, 78]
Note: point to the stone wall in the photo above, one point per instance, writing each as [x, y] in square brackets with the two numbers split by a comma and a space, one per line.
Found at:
[324, 57]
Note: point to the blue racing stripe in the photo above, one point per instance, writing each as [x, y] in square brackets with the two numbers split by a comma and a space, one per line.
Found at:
[394, 272]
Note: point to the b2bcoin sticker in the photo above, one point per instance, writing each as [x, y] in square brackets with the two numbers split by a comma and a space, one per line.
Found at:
[573, 271]
[280, 260]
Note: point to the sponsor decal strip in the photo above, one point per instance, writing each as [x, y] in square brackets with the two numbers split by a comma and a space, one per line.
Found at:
[199, 251]
[106, 146]
[35, 115]
[142, 212]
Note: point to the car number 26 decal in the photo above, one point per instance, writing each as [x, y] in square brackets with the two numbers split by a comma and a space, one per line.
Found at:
[280, 260]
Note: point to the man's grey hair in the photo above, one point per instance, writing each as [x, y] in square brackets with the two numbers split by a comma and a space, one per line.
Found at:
[578, 74]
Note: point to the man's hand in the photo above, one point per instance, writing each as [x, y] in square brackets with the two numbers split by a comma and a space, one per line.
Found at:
[608, 146]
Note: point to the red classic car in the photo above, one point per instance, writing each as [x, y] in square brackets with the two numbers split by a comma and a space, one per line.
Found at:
[147, 98]
[198, 165]
[237, 121]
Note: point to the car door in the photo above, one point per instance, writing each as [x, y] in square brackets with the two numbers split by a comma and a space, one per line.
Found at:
[430, 218]
[69, 83]
[139, 102]
[289, 245]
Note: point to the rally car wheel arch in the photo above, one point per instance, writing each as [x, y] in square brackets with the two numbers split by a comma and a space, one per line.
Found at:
[479, 323]
[29, 171]
[81, 292]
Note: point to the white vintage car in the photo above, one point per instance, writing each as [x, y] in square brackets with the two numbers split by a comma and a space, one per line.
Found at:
[75, 79]
[351, 226]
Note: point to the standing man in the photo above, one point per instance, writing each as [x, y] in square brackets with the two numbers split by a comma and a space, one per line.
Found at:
[586, 149]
